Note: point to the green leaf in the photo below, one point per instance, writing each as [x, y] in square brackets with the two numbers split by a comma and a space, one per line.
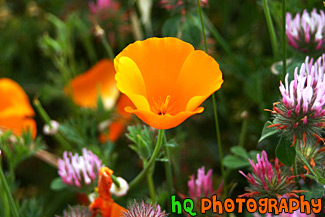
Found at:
[235, 162]
[239, 151]
[315, 192]
[321, 180]
[171, 26]
[57, 184]
[191, 33]
[285, 153]
[266, 132]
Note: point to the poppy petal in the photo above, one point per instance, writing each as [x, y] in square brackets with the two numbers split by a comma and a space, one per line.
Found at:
[163, 121]
[130, 82]
[200, 76]
[160, 61]
[18, 125]
[14, 101]
[117, 210]
[99, 80]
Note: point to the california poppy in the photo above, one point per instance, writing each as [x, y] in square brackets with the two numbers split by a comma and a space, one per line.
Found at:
[166, 79]
[15, 109]
[104, 202]
[99, 80]
[116, 128]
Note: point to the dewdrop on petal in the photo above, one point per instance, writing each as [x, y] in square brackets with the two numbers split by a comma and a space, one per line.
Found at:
[122, 190]
[51, 130]
[78, 170]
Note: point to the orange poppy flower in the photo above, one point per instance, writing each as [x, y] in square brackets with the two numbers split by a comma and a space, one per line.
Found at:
[166, 79]
[116, 128]
[99, 80]
[15, 109]
[104, 202]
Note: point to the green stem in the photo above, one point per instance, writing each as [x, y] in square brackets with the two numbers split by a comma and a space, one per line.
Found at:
[306, 163]
[271, 29]
[115, 181]
[151, 185]
[154, 155]
[284, 39]
[107, 46]
[215, 110]
[168, 167]
[5, 187]
[46, 118]
[243, 132]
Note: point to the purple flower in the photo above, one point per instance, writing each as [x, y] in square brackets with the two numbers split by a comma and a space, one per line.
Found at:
[306, 32]
[144, 210]
[202, 185]
[78, 170]
[300, 113]
[266, 180]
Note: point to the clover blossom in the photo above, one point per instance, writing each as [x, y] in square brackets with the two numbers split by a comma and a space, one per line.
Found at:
[202, 185]
[77, 211]
[78, 170]
[300, 113]
[268, 181]
[305, 32]
[144, 210]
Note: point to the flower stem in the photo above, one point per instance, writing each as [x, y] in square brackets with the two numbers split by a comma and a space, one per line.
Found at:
[46, 118]
[306, 163]
[214, 108]
[243, 133]
[107, 46]
[5, 188]
[271, 29]
[151, 184]
[154, 155]
[284, 39]
[168, 167]
[115, 181]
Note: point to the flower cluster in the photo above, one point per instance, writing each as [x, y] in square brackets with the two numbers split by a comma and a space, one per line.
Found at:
[181, 6]
[300, 113]
[266, 181]
[144, 210]
[78, 170]
[306, 32]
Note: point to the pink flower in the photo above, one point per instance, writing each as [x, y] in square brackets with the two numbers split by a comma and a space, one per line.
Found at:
[266, 180]
[102, 5]
[300, 113]
[78, 170]
[202, 185]
[181, 6]
[306, 32]
[144, 210]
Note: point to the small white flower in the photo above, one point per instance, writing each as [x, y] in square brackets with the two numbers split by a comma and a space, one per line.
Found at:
[51, 130]
[122, 190]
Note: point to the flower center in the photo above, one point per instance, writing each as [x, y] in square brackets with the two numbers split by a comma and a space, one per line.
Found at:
[161, 107]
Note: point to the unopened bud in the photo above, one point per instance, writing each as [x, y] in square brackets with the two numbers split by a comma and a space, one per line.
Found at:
[51, 130]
